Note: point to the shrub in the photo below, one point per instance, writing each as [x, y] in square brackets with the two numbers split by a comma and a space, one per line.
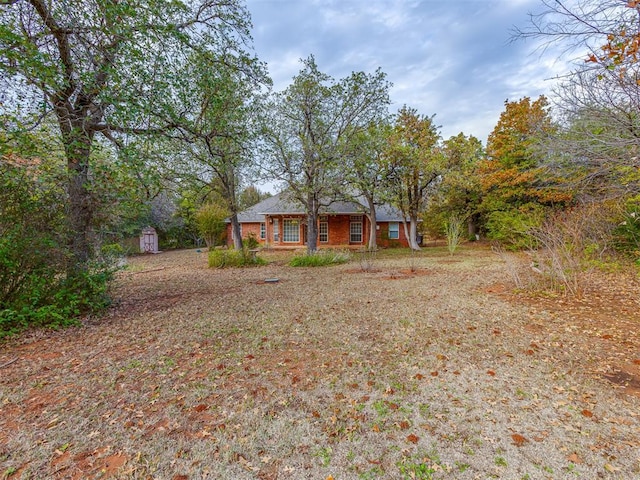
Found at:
[513, 228]
[626, 235]
[210, 221]
[320, 258]
[453, 229]
[35, 288]
[251, 241]
[224, 258]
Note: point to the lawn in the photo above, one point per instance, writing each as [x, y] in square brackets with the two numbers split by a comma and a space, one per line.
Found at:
[398, 366]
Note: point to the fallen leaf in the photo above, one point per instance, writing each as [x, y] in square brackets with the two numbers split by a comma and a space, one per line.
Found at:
[418, 376]
[518, 440]
[413, 438]
[587, 413]
[491, 372]
[610, 468]
[434, 374]
[574, 458]
[404, 425]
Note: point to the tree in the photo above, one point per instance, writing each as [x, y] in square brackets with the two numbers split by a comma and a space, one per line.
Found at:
[306, 129]
[459, 193]
[365, 157]
[250, 196]
[516, 186]
[100, 67]
[210, 219]
[600, 97]
[213, 111]
[415, 165]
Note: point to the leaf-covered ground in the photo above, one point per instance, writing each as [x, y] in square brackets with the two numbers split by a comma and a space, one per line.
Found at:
[398, 367]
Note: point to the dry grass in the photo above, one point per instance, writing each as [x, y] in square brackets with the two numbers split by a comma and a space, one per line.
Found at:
[422, 367]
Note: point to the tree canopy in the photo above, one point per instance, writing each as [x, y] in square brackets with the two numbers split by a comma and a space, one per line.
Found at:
[101, 68]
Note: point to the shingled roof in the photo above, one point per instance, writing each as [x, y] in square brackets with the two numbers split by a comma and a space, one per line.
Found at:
[279, 204]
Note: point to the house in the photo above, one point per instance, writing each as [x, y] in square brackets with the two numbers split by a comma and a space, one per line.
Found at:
[279, 222]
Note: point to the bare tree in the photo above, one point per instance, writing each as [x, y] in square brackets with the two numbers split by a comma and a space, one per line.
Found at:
[599, 99]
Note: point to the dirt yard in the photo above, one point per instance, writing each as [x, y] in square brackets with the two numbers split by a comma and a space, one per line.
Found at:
[403, 367]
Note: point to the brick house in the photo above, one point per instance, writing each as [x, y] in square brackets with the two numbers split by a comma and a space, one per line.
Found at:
[280, 223]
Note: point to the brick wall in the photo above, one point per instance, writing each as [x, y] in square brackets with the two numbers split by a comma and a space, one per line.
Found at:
[339, 233]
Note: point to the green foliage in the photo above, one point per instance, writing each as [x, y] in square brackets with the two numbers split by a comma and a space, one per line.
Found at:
[250, 196]
[252, 241]
[104, 68]
[210, 220]
[320, 258]
[512, 228]
[627, 232]
[515, 187]
[418, 471]
[459, 193]
[307, 128]
[35, 288]
[224, 258]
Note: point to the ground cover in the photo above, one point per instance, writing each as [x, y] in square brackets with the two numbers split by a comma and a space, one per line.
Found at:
[424, 366]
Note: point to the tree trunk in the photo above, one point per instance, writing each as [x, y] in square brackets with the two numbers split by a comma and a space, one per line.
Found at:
[77, 144]
[472, 228]
[413, 233]
[312, 232]
[373, 245]
[237, 235]
[406, 231]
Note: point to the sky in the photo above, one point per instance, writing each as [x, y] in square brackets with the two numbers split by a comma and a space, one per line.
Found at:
[451, 58]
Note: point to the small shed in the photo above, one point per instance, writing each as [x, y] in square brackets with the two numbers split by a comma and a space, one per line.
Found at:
[149, 240]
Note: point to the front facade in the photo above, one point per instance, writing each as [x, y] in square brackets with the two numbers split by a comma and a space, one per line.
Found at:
[278, 223]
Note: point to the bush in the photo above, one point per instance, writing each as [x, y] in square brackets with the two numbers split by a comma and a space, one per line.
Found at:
[35, 288]
[223, 258]
[320, 258]
[210, 221]
[453, 228]
[513, 228]
[251, 242]
[626, 235]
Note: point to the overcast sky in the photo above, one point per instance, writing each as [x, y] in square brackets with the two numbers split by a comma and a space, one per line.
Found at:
[451, 58]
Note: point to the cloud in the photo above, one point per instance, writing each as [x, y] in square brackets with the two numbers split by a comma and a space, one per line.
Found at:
[452, 59]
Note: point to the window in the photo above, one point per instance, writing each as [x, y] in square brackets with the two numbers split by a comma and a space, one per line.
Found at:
[291, 231]
[355, 229]
[263, 231]
[276, 230]
[394, 230]
[323, 232]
